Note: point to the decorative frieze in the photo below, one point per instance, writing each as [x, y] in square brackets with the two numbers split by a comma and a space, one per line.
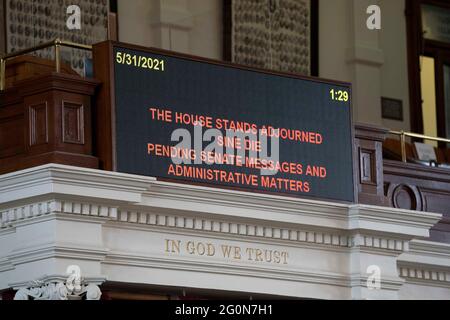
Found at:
[413, 274]
[426, 262]
[377, 242]
[233, 228]
[9, 216]
[200, 223]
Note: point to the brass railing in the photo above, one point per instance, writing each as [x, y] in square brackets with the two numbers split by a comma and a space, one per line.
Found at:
[57, 44]
[404, 134]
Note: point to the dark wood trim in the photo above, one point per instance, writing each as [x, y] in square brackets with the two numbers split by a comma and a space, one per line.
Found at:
[432, 44]
[420, 188]
[104, 120]
[368, 164]
[3, 27]
[227, 25]
[113, 6]
[445, 61]
[314, 38]
[418, 46]
[355, 167]
[414, 36]
[416, 171]
[7, 294]
[113, 21]
[440, 3]
[440, 95]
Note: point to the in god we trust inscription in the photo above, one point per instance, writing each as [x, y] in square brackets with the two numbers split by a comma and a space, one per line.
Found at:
[226, 251]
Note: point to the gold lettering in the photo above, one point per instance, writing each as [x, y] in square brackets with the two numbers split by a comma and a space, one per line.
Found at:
[228, 251]
[276, 257]
[259, 255]
[237, 253]
[190, 247]
[211, 250]
[284, 255]
[173, 246]
[249, 252]
[201, 249]
[268, 255]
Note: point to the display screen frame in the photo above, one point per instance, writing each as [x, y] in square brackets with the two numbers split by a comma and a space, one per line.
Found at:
[105, 139]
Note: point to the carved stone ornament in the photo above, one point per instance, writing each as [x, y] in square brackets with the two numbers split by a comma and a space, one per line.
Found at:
[59, 290]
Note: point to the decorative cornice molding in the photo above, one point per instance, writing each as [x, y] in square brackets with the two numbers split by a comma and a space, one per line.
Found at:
[426, 262]
[386, 283]
[70, 251]
[5, 265]
[74, 181]
[142, 201]
[426, 276]
[115, 188]
[389, 220]
[259, 201]
[233, 226]
[429, 248]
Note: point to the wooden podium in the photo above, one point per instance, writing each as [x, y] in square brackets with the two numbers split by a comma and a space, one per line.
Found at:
[45, 117]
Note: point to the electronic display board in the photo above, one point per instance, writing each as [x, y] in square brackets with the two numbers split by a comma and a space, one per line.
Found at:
[201, 121]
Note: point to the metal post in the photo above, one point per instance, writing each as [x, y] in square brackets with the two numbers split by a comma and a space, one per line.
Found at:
[58, 56]
[403, 146]
[2, 74]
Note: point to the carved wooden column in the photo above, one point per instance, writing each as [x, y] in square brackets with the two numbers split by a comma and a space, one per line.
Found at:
[47, 119]
[369, 164]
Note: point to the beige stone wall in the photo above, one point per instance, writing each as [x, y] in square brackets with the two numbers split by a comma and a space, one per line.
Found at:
[189, 26]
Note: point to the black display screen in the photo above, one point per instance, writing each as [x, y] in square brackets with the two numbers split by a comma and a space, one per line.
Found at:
[217, 124]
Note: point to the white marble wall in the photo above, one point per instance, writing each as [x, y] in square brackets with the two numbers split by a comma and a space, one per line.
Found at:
[120, 227]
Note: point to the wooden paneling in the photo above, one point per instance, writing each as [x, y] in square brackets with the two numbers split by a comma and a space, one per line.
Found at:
[11, 143]
[422, 188]
[25, 67]
[368, 174]
[72, 122]
[404, 196]
[47, 119]
[2, 28]
[38, 117]
[369, 164]
[105, 100]
[397, 184]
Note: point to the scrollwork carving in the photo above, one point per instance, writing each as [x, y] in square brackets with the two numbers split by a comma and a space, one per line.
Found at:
[58, 290]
